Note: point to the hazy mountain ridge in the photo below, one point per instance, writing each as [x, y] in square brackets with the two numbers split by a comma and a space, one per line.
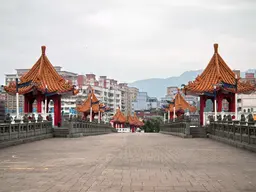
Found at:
[156, 87]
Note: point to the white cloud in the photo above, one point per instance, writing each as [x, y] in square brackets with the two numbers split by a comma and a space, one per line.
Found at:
[127, 40]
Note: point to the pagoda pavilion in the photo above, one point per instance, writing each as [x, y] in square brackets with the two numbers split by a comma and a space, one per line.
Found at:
[131, 122]
[119, 119]
[42, 83]
[134, 122]
[217, 82]
[180, 105]
[138, 122]
[91, 105]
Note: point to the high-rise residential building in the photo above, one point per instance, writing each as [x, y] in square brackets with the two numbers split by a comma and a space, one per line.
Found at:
[108, 91]
[133, 95]
[126, 106]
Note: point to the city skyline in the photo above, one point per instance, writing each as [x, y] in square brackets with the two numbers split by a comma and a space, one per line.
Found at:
[127, 40]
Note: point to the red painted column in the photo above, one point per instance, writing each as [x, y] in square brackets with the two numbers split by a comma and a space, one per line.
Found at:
[219, 103]
[202, 106]
[59, 103]
[26, 104]
[30, 105]
[232, 103]
[171, 115]
[57, 110]
[39, 103]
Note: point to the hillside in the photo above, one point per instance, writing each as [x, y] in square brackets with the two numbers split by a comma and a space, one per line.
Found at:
[156, 87]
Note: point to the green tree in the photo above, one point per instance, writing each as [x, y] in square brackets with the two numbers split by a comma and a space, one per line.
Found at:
[152, 125]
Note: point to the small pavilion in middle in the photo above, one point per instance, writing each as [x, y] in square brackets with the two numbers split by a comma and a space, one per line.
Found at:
[179, 105]
[93, 103]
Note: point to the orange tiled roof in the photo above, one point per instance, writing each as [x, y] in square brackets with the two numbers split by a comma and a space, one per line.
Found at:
[119, 117]
[85, 107]
[130, 120]
[217, 71]
[42, 74]
[181, 103]
[137, 121]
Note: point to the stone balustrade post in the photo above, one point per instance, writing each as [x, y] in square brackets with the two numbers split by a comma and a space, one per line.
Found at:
[240, 133]
[19, 130]
[249, 134]
[187, 129]
[10, 131]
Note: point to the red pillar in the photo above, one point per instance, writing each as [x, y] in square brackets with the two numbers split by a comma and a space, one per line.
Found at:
[202, 106]
[219, 103]
[57, 110]
[39, 103]
[231, 103]
[30, 105]
[26, 104]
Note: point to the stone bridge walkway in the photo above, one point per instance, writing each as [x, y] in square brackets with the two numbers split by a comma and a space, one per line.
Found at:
[127, 162]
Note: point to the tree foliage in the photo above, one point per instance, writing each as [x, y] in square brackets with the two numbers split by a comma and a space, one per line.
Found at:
[152, 125]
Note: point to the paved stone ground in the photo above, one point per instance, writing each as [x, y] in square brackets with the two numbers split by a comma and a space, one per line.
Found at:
[127, 162]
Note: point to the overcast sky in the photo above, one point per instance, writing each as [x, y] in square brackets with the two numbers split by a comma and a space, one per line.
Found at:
[127, 40]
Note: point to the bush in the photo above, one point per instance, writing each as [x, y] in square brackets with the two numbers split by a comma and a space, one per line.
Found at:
[152, 125]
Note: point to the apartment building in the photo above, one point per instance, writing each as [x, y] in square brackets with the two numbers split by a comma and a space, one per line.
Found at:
[126, 104]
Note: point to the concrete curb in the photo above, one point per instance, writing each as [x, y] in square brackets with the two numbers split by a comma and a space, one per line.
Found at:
[176, 134]
[75, 135]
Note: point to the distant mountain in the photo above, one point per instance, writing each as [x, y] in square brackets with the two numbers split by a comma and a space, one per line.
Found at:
[156, 87]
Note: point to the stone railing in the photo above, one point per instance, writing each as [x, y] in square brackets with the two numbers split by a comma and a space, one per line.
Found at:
[82, 128]
[176, 128]
[239, 134]
[17, 133]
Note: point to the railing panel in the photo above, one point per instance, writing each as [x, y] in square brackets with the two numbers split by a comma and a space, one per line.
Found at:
[9, 132]
[236, 132]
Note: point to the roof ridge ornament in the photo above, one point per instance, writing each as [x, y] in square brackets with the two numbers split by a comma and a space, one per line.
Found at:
[43, 49]
[216, 47]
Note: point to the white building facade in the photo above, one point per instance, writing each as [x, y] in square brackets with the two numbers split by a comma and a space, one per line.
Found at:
[144, 102]
[246, 102]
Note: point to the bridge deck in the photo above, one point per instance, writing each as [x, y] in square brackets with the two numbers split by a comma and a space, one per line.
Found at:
[127, 162]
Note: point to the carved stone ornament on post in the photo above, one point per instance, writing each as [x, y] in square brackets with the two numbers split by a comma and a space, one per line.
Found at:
[25, 118]
[250, 119]
[39, 118]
